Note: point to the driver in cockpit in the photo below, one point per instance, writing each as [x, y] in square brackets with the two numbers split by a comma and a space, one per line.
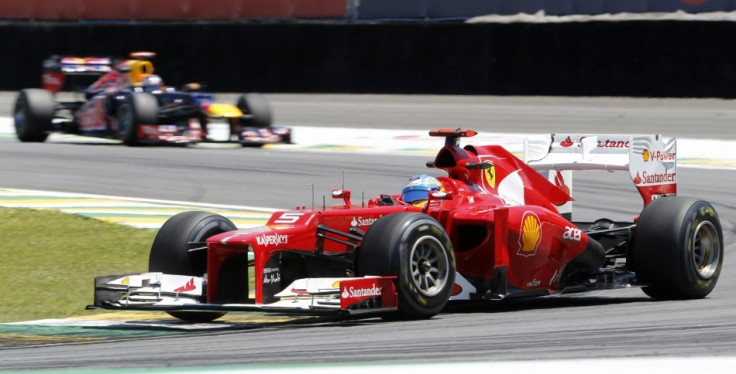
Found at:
[418, 189]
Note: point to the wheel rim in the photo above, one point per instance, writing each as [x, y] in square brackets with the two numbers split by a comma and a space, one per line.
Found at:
[706, 249]
[428, 265]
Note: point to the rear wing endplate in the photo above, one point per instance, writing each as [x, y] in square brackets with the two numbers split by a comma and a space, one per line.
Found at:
[651, 160]
[56, 68]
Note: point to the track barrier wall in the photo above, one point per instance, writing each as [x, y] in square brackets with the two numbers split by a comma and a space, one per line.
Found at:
[334, 9]
[629, 58]
[437, 9]
[169, 9]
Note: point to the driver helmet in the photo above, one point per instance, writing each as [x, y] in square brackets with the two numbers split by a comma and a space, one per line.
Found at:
[152, 81]
[418, 190]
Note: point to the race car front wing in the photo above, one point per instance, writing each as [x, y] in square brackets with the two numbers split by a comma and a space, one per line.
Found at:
[165, 292]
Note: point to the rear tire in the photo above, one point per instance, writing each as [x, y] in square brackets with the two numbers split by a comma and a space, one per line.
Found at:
[33, 113]
[416, 249]
[170, 255]
[136, 109]
[678, 248]
[257, 106]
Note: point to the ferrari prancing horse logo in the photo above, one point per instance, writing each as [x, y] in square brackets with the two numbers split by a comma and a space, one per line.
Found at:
[490, 174]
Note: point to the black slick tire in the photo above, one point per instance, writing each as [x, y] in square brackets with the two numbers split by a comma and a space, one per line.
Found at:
[678, 248]
[33, 112]
[170, 250]
[256, 105]
[416, 249]
[137, 108]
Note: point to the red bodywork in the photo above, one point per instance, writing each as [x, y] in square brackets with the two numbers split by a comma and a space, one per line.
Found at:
[519, 232]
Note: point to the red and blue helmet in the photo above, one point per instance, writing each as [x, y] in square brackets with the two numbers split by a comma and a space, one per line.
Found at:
[419, 188]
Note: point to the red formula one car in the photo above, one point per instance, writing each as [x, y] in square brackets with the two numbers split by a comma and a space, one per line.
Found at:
[130, 103]
[494, 228]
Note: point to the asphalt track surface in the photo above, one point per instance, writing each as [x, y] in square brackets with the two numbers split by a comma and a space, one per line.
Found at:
[622, 323]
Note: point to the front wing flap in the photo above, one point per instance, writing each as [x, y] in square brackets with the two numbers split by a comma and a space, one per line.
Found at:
[164, 292]
[264, 135]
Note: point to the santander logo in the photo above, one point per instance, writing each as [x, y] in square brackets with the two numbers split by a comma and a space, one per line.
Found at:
[353, 292]
[360, 221]
[600, 143]
[190, 286]
[567, 142]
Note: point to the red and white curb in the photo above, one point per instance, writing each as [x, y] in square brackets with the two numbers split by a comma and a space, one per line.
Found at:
[136, 212]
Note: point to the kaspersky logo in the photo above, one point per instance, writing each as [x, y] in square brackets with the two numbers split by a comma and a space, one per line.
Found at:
[530, 235]
[272, 239]
[353, 292]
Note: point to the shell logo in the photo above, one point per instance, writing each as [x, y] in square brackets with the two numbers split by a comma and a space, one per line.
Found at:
[530, 235]
[490, 175]
[645, 155]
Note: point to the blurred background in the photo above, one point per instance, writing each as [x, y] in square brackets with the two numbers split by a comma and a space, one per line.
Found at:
[640, 48]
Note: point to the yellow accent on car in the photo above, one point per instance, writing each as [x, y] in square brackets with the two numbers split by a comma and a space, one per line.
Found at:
[139, 70]
[224, 110]
[490, 174]
[530, 234]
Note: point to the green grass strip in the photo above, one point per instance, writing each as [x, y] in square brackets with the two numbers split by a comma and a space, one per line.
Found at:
[49, 260]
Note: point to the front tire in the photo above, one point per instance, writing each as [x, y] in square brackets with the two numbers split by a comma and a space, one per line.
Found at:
[256, 105]
[33, 112]
[170, 250]
[136, 109]
[678, 248]
[416, 249]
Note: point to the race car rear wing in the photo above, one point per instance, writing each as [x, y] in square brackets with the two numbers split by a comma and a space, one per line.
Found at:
[56, 68]
[651, 160]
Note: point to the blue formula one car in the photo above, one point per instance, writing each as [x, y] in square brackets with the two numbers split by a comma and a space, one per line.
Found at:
[130, 103]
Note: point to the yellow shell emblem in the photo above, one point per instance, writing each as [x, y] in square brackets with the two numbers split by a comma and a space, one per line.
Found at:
[490, 175]
[530, 236]
[645, 155]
